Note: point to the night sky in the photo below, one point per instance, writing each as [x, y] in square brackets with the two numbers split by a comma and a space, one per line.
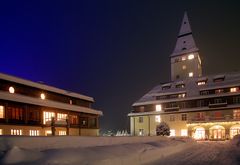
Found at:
[114, 51]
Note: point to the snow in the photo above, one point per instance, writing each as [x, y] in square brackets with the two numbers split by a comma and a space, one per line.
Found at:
[117, 150]
[89, 150]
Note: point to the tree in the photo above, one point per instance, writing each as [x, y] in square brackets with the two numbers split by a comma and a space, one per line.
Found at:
[162, 129]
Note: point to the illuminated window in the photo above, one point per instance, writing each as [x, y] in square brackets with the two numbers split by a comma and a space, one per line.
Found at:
[48, 133]
[16, 132]
[157, 118]
[184, 117]
[34, 132]
[11, 90]
[233, 89]
[183, 58]
[141, 132]
[140, 119]
[70, 101]
[219, 91]
[190, 74]
[62, 133]
[182, 95]
[42, 96]
[236, 114]
[190, 56]
[180, 85]
[1, 111]
[47, 116]
[1, 131]
[158, 108]
[61, 116]
[172, 132]
[184, 67]
[184, 132]
[201, 83]
[73, 119]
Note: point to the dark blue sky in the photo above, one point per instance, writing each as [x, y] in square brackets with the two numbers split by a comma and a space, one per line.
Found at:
[114, 51]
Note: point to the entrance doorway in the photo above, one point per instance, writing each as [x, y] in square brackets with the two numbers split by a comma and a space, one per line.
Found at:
[234, 130]
[199, 133]
[217, 132]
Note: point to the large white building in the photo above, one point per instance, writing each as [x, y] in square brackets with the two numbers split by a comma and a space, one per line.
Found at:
[204, 107]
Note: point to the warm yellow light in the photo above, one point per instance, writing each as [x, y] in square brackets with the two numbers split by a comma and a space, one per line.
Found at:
[183, 58]
[190, 74]
[201, 83]
[11, 90]
[190, 56]
[184, 67]
[158, 107]
[158, 118]
[42, 96]
[233, 89]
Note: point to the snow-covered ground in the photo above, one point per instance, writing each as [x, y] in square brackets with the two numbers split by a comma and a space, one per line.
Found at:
[116, 150]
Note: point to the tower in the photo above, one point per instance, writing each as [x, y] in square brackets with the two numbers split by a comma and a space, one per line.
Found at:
[185, 59]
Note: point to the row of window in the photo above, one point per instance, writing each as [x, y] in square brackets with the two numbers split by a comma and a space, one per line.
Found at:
[158, 118]
[17, 113]
[184, 132]
[219, 91]
[19, 132]
[200, 82]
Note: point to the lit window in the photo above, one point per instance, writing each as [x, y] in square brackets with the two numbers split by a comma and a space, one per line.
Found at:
[158, 108]
[180, 85]
[62, 133]
[190, 74]
[190, 56]
[61, 116]
[158, 119]
[1, 131]
[141, 132]
[183, 58]
[233, 89]
[182, 95]
[172, 132]
[16, 132]
[184, 132]
[70, 101]
[34, 132]
[1, 111]
[47, 116]
[140, 119]
[184, 67]
[201, 83]
[219, 91]
[11, 90]
[42, 96]
[48, 133]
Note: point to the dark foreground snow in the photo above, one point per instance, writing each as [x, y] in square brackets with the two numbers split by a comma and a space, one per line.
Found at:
[116, 150]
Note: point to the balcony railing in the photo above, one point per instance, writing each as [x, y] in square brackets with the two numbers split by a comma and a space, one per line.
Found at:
[216, 105]
[171, 109]
[210, 118]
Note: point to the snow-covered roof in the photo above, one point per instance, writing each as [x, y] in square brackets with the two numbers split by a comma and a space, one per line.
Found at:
[191, 88]
[44, 87]
[47, 103]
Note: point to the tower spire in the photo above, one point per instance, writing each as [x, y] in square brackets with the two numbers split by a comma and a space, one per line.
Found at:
[185, 42]
[185, 59]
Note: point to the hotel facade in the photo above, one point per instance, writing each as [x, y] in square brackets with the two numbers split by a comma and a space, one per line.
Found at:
[35, 109]
[203, 107]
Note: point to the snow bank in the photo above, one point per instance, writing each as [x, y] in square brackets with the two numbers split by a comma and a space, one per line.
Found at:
[89, 150]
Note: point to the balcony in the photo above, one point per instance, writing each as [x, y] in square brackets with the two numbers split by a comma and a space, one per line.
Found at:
[171, 109]
[217, 105]
[213, 119]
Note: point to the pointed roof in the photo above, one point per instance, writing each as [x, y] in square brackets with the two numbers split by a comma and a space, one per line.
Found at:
[185, 42]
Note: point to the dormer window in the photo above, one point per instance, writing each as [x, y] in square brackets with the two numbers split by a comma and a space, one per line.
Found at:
[180, 85]
[219, 78]
[202, 81]
[166, 86]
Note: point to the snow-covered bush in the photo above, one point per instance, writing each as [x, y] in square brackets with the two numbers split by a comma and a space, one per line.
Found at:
[162, 129]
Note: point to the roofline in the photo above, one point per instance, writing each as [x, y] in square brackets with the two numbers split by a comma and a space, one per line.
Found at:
[46, 103]
[44, 87]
